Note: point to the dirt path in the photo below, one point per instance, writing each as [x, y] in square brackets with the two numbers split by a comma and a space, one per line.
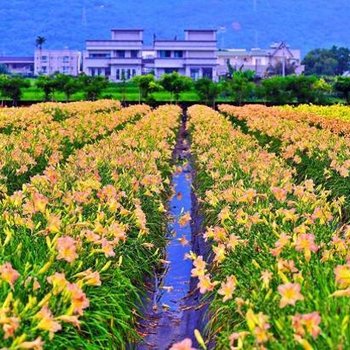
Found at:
[174, 309]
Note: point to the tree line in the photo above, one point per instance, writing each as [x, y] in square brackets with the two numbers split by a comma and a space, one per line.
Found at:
[238, 87]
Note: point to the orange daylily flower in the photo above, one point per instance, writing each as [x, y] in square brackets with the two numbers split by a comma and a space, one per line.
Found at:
[306, 243]
[186, 344]
[66, 247]
[227, 288]
[47, 322]
[184, 219]
[307, 324]
[342, 275]
[9, 274]
[290, 293]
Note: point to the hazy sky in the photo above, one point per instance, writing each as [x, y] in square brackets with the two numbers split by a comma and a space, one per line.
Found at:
[242, 23]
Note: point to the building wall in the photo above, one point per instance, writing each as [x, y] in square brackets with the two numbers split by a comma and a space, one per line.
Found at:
[18, 65]
[48, 62]
[194, 57]
[118, 58]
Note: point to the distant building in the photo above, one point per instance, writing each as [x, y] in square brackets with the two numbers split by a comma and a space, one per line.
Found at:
[278, 58]
[125, 56]
[64, 61]
[117, 59]
[18, 65]
[194, 57]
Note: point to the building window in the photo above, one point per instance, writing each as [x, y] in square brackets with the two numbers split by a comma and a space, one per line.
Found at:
[66, 69]
[99, 55]
[117, 74]
[258, 61]
[178, 54]
[194, 73]
[134, 54]
[44, 69]
[65, 59]
[164, 54]
[120, 53]
[133, 72]
[170, 70]
[44, 58]
[208, 73]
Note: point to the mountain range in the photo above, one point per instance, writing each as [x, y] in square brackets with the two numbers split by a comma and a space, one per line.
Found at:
[304, 24]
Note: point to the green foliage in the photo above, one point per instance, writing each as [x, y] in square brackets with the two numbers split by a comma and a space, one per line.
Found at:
[207, 90]
[147, 85]
[92, 86]
[40, 41]
[48, 85]
[67, 84]
[334, 61]
[11, 87]
[241, 85]
[176, 84]
[342, 85]
[298, 89]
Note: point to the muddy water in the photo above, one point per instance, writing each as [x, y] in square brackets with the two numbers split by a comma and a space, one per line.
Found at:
[174, 310]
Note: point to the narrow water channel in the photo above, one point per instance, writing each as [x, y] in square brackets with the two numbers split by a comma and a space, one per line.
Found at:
[173, 313]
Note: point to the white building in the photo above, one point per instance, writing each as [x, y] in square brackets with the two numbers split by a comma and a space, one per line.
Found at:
[262, 61]
[18, 65]
[194, 57]
[64, 61]
[117, 59]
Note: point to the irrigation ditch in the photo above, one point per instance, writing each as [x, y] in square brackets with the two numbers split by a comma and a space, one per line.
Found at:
[173, 307]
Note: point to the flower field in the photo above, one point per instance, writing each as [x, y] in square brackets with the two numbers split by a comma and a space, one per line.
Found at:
[84, 226]
[34, 138]
[279, 276]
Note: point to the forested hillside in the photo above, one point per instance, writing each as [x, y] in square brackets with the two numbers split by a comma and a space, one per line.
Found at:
[243, 23]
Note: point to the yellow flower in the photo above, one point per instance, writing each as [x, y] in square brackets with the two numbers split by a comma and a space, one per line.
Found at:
[290, 293]
[47, 322]
[9, 274]
[66, 247]
[227, 288]
[36, 344]
[342, 275]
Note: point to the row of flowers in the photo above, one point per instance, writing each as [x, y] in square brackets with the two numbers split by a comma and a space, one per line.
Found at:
[279, 272]
[77, 241]
[335, 118]
[297, 137]
[17, 119]
[40, 144]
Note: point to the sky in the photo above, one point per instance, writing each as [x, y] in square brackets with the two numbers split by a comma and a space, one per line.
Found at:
[304, 24]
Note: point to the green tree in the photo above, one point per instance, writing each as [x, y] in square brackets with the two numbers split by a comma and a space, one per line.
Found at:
[241, 85]
[176, 83]
[147, 85]
[93, 86]
[207, 90]
[39, 42]
[334, 61]
[342, 85]
[11, 87]
[67, 84]
[275, 90]
[48, 85]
